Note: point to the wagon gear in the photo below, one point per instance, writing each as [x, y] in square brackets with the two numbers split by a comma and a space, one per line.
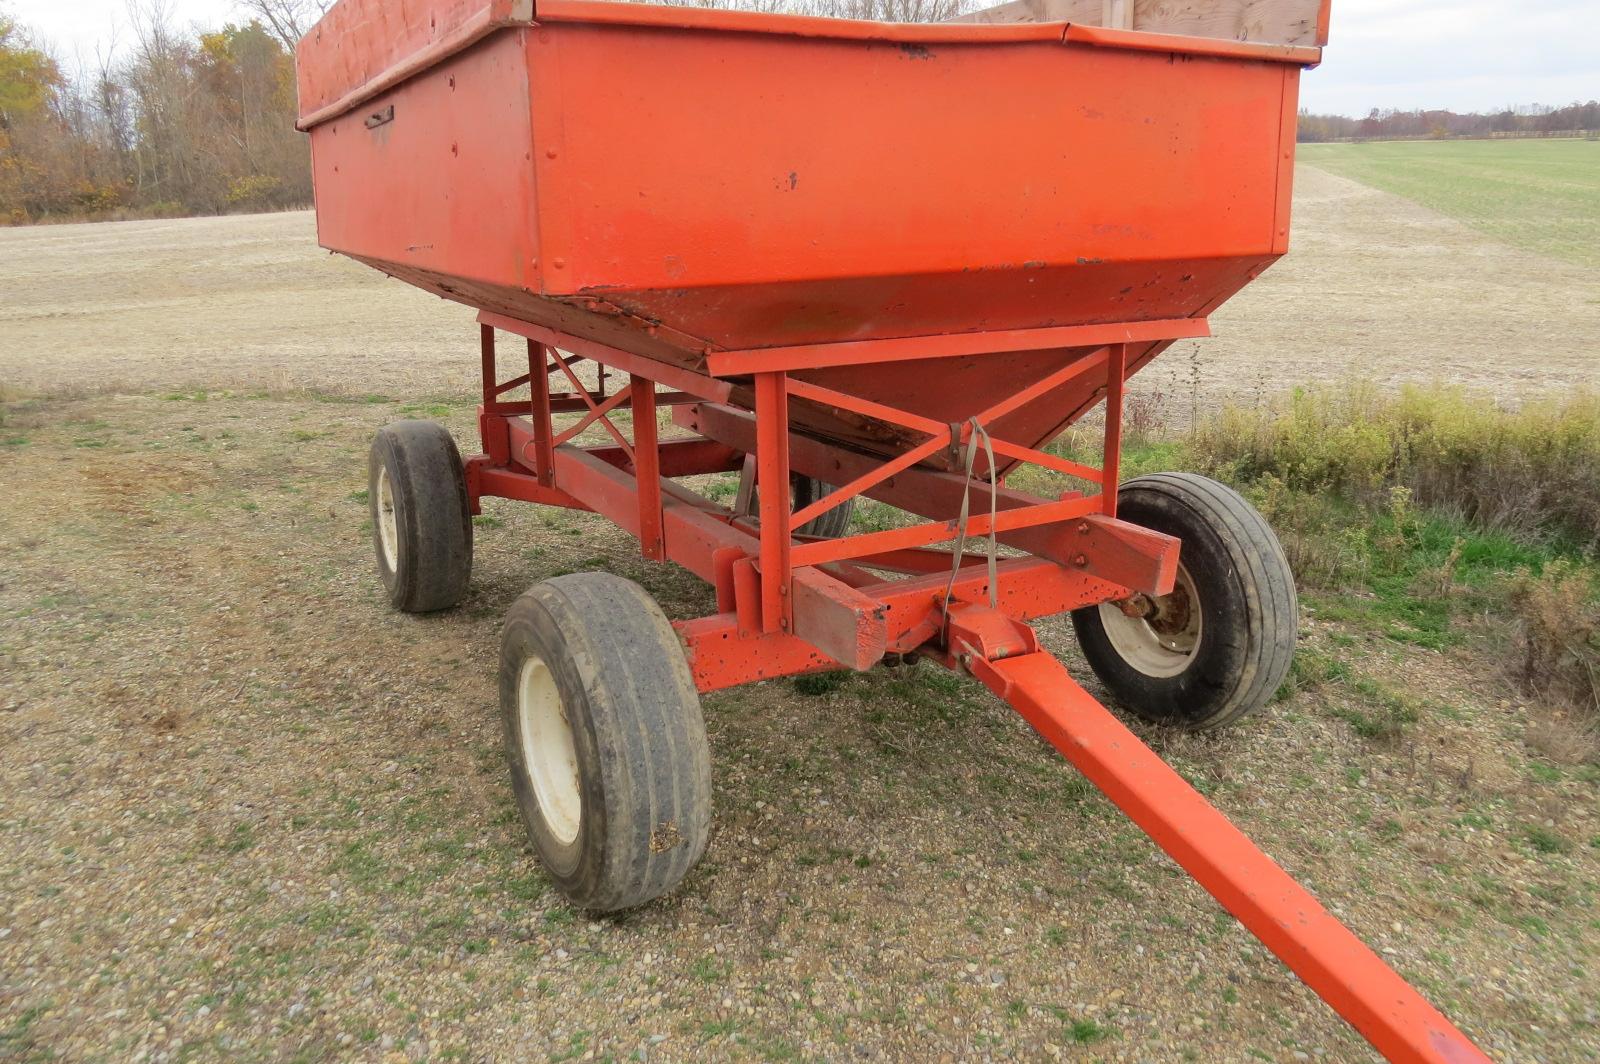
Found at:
[820, 305]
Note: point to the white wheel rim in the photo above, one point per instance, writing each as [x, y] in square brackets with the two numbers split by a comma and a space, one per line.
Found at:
[1161, 641]
[548, 753]
[388, 523]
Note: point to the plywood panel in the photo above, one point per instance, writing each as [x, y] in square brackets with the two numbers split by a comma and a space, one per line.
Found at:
[1264, 21]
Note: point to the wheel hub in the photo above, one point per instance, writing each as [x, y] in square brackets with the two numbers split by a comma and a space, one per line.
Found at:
[388, 522]
[548, 753]
[1157, 635]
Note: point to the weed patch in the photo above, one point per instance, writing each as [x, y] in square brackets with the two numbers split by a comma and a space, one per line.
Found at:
[1404, 513]
[816, 684]
[1533, 471]
[1558, 629]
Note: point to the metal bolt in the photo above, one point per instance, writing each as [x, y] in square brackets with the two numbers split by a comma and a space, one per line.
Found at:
[1079, 560]
[1083, 528]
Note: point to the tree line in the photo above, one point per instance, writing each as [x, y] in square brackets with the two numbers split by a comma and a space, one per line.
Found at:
[1379, 124]
[200, 123]
[177, 123]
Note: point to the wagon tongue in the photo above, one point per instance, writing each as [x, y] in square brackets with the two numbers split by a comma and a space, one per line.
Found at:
[1328, 956]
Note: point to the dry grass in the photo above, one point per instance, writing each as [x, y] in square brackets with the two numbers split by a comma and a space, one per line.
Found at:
[1563, 736]
[323, 805]
[1559, 636]
[1532, 470]
[150, 212]
[1438, 502]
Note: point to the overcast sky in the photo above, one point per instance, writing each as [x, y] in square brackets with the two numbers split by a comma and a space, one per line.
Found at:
[1465, 55]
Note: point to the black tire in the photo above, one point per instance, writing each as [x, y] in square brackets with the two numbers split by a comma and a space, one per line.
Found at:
[633, 816]
[1204, 669]
[421, 517]
[830, 524]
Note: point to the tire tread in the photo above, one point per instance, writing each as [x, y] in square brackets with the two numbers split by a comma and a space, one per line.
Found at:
[651, 736]
[434, 569]
[1261, 572]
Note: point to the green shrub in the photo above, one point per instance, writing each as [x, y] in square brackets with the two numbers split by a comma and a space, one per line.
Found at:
[1407, 507]
[1328, 546]
[1534, 470]
[255, 190]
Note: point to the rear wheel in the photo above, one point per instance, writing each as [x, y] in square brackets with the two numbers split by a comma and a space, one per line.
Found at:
[605, 740]
[830, 524]
[421, 517]
[1218, 646]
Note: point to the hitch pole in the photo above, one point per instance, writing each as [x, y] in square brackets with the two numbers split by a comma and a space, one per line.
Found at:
[1398, 1021]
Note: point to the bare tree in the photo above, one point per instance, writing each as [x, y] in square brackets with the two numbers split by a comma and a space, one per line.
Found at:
[186, 119]
[874, 10]
[114, 107]
[287, 19]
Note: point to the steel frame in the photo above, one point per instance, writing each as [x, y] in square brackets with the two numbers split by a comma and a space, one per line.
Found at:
[789, 603]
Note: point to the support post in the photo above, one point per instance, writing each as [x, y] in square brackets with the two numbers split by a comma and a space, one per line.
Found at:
[772, 480]
[539, 411]
[492, 427]
[647, 466]
[1111, 466]
[486, 343]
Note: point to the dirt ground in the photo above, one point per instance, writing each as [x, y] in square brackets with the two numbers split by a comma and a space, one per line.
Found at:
[1375, 287]
[248, 813]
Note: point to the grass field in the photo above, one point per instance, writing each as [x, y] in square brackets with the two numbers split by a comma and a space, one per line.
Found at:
[1542, 195]
[250, 814]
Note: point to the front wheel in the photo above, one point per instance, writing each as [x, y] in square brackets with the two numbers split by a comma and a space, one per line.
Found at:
[605, 741]
[1217, 647]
